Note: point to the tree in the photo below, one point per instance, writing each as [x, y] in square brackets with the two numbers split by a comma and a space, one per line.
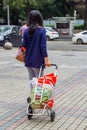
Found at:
[19, 9]
[83, 9]
[85, 16]
[1, 8]
[1, 3]
[62, 8]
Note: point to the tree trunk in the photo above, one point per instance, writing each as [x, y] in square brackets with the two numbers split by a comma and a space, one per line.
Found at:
[85, 17]
[1, 8]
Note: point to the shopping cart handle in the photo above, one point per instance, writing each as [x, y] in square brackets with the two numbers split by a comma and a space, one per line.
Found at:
[56, 67]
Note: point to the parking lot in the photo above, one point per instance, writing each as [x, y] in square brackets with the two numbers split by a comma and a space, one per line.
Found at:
[63, 44]
[70, 92]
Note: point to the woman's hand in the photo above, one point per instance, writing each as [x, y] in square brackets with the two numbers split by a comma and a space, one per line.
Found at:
[47, 61]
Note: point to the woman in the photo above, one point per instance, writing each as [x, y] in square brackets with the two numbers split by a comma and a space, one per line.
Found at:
[21, 30]
[34, 40]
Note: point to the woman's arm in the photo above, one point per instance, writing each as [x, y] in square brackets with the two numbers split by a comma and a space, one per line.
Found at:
[24, 42]
[44, 47]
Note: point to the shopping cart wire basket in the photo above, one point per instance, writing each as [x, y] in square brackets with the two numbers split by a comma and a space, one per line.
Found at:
[42, 89]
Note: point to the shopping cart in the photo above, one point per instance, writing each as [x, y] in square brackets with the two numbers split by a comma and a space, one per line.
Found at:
[42, 97]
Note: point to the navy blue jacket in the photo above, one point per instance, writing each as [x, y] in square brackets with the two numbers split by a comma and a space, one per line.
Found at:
[36, 49]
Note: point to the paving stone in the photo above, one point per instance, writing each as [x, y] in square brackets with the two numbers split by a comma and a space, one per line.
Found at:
[70, 94]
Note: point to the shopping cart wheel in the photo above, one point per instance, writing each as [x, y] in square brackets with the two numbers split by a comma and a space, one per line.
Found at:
[28, 99]
[52, 115]
[30, 110]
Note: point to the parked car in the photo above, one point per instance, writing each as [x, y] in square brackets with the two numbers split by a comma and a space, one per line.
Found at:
[10, 33]
[51, 33]
[64, 33]
[80, 38]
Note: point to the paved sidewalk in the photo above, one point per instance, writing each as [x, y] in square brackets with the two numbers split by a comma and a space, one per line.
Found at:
[70, 93]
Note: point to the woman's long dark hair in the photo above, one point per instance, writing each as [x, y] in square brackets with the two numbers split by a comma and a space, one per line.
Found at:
[34, 20]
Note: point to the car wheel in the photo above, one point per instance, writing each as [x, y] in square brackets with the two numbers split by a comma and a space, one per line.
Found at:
[79, 41]
[48, 38]
[6, 40]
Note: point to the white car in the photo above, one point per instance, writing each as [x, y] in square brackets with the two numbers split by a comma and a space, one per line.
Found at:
[51, 33]
[80, 38]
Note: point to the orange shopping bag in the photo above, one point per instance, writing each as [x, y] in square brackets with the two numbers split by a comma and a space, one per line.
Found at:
[20, 55]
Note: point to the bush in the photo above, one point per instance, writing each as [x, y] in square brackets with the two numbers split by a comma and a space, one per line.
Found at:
[79, 27]
[49, 25]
